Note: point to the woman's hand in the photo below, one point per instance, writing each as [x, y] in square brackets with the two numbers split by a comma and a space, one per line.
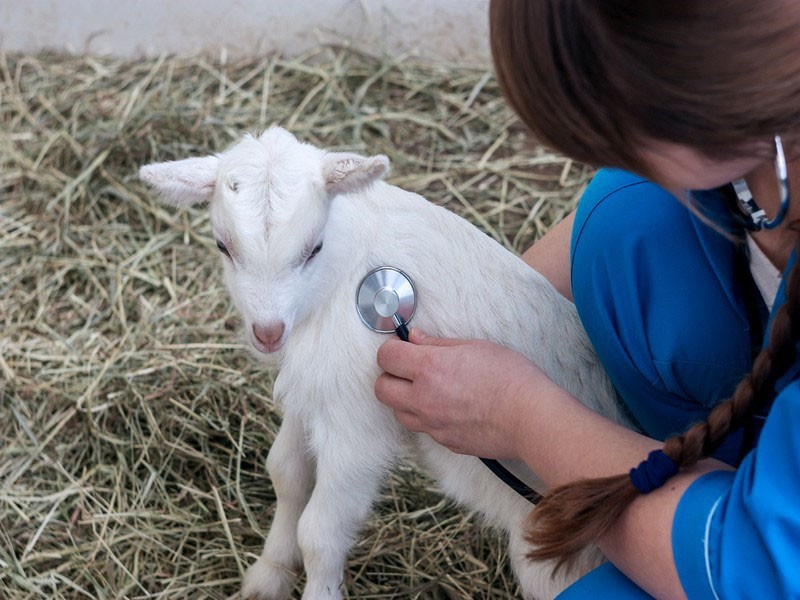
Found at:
[469, 395]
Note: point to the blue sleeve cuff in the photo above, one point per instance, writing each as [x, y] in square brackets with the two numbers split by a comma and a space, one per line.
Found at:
[690, 533]
[606, 581]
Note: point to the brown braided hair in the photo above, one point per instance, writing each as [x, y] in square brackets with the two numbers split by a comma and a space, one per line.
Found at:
[593, 79]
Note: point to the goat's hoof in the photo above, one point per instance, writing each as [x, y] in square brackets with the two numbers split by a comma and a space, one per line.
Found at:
[266, 581]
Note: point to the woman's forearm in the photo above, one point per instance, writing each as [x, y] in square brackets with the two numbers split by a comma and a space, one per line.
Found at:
[562, 440]
[565, 441]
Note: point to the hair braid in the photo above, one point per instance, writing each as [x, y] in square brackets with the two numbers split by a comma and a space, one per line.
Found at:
[577, 514]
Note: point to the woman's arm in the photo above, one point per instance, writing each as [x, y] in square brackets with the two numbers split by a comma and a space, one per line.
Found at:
[550, 255]
[564, 441]
[640, 542]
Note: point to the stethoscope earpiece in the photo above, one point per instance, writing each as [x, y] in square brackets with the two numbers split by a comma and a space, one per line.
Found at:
[386, 300]
[757, 217]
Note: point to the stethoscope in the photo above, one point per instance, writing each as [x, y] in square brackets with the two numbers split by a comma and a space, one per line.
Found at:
[385, 302]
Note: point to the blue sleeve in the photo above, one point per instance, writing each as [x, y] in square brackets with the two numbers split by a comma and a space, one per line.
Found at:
[657, 294]
[737, 535]
[606, 581]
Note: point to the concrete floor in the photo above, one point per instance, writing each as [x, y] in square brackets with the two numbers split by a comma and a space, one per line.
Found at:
[439, 30]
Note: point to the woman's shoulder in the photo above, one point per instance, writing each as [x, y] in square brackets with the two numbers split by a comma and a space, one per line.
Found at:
[660, 296]
[608, 182]
[619, 204]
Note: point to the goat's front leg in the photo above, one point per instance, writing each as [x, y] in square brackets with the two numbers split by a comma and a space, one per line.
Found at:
[291, 468]
[348, 479]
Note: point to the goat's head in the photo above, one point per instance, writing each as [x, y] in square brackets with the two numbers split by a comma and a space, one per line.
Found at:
[268, 199]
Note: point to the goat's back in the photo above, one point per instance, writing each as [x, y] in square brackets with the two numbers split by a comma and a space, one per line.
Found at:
[468, 286]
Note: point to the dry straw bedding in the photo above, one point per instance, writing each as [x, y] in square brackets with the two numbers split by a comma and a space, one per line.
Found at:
[133, 426]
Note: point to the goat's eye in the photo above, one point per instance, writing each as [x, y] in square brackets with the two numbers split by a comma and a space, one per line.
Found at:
[234, 185]
[223, 248]
[315, 251]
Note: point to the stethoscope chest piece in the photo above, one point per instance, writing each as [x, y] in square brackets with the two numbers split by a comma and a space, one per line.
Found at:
[385, 299]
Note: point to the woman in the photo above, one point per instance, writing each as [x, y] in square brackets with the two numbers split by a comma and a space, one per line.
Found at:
[693, 95]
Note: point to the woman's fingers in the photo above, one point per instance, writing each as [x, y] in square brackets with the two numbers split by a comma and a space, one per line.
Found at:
[396, 357]
[395, 392]
[409, 420]
[404, 359]
[417, 336]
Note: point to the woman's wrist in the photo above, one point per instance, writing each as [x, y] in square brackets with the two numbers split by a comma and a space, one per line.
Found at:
[525, 405]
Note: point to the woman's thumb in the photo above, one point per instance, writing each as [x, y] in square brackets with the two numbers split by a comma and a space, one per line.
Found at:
[419, 337]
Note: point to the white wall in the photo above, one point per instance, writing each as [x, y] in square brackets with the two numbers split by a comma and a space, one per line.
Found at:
[441, 30]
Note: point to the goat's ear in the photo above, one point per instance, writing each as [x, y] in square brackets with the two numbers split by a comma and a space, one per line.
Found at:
[345, 172]
[182, 182]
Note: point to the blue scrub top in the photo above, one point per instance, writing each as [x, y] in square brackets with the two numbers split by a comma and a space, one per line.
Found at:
[670, 307]
[666, 301]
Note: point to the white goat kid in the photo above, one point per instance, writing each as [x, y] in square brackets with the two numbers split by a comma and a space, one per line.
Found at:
[299, 228]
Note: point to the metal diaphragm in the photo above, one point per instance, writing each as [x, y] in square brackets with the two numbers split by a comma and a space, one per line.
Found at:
[382, 294]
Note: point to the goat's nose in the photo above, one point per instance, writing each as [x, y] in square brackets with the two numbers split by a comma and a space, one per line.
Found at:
[269, 334]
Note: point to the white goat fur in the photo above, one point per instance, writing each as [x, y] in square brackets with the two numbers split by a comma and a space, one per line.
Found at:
[272, 199]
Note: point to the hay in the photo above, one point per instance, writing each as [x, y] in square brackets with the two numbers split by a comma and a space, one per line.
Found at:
[133, 428]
